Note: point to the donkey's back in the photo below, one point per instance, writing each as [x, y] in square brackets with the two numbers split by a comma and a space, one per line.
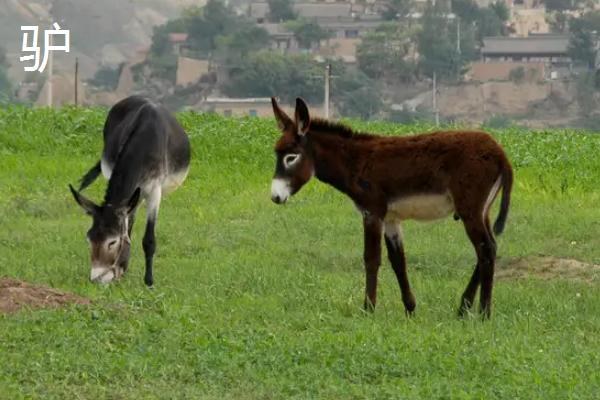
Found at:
[143, 136]
[152, 135]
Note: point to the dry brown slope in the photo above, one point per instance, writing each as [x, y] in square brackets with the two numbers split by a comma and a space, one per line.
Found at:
[106, 31]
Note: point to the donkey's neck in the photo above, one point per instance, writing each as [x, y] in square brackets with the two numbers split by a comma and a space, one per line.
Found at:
[335, 160]
[124, 180]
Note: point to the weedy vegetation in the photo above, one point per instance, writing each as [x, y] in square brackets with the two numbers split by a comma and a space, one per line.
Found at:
[255, 301]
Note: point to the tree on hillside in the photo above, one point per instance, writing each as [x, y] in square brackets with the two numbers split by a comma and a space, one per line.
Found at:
[246, 39]
[281, 10]
[382, 54]
[354, 94]
[558, 17]
[581, 47]
[489, 21]
[307, 33]
[437, 43]
[501, 10]
[162, 60]
[396, 9]
[466, 10]
[489, 24]
[206, 24]
[160, 36]
[266, 74]
[106, 77]
[586, 98]
[212, 31]
[582, 44]
[559, 22]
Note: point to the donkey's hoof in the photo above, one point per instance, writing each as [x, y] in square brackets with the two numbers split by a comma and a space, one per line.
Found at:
[369, 307]
[409, 303]
[465, 308]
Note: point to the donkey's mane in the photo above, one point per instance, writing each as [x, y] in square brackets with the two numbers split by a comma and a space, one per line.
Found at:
[325, 126]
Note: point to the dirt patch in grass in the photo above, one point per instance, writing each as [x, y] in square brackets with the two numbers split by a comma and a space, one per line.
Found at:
[16, 294]
[547, 268]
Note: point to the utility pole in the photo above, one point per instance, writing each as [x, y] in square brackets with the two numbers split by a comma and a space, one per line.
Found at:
[76, 81]
[50, 72]
[458, 35]
[435, 108]
[458, 51]
[327, 85]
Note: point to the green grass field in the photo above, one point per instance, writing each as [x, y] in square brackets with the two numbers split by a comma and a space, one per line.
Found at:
[258, 301]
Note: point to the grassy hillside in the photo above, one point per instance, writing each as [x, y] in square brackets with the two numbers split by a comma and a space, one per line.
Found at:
[256, 301]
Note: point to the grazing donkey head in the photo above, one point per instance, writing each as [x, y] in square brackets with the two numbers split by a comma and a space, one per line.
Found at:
[295, 163]
[108, 236]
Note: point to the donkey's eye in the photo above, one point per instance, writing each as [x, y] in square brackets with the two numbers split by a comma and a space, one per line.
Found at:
[111, 243]
[290, 160]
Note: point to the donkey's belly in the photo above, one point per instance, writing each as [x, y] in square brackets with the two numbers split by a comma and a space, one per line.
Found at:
[424, 207]
[173, 180]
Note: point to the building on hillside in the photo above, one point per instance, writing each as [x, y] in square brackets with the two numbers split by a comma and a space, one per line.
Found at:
[281, 39]
[420, 6]
[259, 11]
[505, 71]
[550, 50]
[190, 70]
[351, 29]
[346, 23]
[343, 49]
[178, 40]
[525, 16]
[239, 107]
[525, 4]
[537, 48]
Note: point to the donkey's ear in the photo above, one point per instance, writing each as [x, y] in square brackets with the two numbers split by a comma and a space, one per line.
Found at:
[302, 117]
[88, 206]
[283, 121]
[133, 201]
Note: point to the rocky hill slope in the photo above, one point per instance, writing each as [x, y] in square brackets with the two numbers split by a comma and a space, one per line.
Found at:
[102, 32]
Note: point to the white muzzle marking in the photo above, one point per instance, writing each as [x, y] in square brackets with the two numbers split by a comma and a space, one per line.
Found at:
[102, 275]
[280, 190]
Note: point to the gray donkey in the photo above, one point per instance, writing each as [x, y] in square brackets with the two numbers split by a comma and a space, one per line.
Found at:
[146, 154]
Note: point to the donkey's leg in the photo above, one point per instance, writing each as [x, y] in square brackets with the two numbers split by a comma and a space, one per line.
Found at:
[372, 258]
[468, 297]
[130, 222]
[485, 248]
[395, 250]
[487, 272]
[149, 241]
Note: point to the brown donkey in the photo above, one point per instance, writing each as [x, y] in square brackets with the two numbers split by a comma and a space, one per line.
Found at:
[391, 179]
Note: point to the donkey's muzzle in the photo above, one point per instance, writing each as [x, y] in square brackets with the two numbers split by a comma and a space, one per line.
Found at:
[280, 190]
[278, 199]
[102, 275]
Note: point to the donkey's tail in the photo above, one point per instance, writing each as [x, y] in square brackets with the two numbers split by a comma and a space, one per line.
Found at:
[90, 176]
[507, 182]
